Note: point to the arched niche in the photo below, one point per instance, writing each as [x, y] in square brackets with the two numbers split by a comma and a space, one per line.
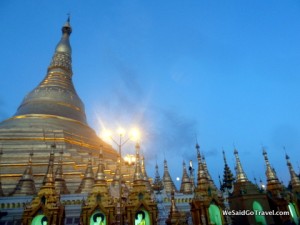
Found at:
[260, 219]
[40, 219]
[98, 218]
[293, 213]
[142, 218]
[214, 214]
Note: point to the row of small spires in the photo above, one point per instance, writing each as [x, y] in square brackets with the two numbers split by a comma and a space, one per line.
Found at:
[187, 181]
[26, 185]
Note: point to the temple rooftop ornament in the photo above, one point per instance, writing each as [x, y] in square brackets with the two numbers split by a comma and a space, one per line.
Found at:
[157, 183]
[295, 181]
[186, 186]
[228, 177]
[270, 173]
[240, 174]
[26, 185]
[168, 183]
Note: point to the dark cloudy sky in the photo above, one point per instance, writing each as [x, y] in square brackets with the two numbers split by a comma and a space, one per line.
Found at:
[226, 73]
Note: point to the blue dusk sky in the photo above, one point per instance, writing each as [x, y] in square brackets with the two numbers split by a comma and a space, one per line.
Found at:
[226, 73]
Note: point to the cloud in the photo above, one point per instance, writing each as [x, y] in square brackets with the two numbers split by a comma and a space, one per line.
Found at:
[166, 132]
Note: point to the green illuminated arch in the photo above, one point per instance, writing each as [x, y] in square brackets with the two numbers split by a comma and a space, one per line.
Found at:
[98, 218]
[260, 219]
[293, 213]
[142, 218]
[214, 215]
[37, 220]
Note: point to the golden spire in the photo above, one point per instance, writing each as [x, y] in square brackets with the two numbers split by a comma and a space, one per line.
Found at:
[100, 187]
[60, 183]
[198, 152]
[26, 185]
[186, 186]
[117, 176]
[138, 175]
[270, 173]
[88, 180]
[157, 184]
[211, 182]
[167, 180]
[100, 176]
[56, 94]
[240, 174]
[144, 172]
[49, 176]
[64, 45]
[203, 183]
[175, 216]
[228, 176]
[295, 182]
[174, 208]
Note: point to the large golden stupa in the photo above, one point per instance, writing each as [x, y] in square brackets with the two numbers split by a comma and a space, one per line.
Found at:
[50, 118]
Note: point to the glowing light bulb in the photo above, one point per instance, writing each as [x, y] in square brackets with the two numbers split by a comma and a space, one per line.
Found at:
[135, 134]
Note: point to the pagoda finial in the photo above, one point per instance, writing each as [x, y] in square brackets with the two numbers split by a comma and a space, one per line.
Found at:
[211, 182]
[167, 180]
[198, 152]
[144, 168]
[144, 173]
[67, 27]
[227, 176]
[224, 156]
[88, 180]
[49, 176]
[100, 176]
[60, 183]
[186, 186]
[157, 184]
[295, 181]
[270, 173]
[240, 174]
[26, 185]
[138, 175]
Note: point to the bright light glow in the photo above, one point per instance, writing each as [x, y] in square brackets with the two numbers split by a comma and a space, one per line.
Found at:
[106, 134]
[177, 178]
[135, 134]
[130, 159]
[121, 131]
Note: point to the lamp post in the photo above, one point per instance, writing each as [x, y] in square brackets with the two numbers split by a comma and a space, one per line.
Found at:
[122, 140]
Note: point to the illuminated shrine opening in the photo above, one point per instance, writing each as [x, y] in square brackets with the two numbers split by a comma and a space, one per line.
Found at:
[293, 213]
[142, 218]
[214, 214]
[260, 219]
[40, 220]
[98, 218]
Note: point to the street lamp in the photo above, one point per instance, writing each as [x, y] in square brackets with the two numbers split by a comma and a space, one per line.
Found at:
[122, 140]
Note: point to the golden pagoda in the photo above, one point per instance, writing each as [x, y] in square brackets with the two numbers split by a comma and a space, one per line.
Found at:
[45, 208]
[207, 204]
[52, 113]
[247, 195]
[277, 195]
